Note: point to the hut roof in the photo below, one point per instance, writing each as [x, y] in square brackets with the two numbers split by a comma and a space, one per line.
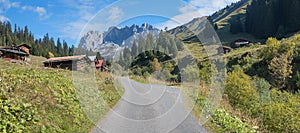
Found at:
[4, 50]
[66, 58]
[25, 45]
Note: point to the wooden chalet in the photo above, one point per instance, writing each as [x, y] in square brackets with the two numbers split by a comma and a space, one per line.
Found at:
[16, 53]
[99, 65]
[25, 47]
[240, 43]
[69, 62]
[224, 49]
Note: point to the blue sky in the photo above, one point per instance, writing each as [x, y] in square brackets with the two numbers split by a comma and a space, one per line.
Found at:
[70, 19]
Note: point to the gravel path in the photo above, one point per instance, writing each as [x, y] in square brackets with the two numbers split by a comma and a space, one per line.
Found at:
[146, 108]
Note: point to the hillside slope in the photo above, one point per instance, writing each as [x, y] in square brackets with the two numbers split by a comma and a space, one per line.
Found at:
[224, 24]
[35, 99]
[221, 19]
[223, 13]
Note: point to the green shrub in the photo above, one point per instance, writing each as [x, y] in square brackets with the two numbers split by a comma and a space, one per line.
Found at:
[263, 88]
[240, 92]
[230, 123]
[282, 114]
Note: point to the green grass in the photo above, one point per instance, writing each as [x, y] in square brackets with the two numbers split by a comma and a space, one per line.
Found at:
[197, 51]
[139, 79]
[48, 97]
[224, 28]
[37, 61]
[240, 51]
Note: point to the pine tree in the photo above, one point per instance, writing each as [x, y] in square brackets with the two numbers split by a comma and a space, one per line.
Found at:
[174, 50]
[26, 34]
[99, 56]
[71, 50]
[127, 53]
[8, 33]
[142, 44]
[236, 26]
[59, 48]
[65, 48]
[280, 69]
[149, 42]
[134, 49]
[160, 41]
[216, 27]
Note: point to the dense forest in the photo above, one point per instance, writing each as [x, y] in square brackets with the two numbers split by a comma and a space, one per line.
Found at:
[148, 55]
[45, 46]
[276, 18]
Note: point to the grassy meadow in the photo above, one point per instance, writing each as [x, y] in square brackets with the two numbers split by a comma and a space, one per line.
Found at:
[38, 99]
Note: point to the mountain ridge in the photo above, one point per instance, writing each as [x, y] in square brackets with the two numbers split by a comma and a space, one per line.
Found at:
[115, 35]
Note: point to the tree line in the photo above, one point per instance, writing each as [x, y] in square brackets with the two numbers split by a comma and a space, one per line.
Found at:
[276, 18]
[46, 46]
[164, 43]
[268, 18]
[151, 54]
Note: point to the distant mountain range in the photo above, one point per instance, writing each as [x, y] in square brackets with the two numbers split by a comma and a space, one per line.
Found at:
[112, 42]
[238, 20]
[119, 36]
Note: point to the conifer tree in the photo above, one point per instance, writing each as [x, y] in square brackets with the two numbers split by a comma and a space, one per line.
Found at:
[134, 49]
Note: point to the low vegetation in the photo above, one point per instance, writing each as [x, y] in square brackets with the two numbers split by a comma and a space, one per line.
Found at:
[34, 99]
[261, 90]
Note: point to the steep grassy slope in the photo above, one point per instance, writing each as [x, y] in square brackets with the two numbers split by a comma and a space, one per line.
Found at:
[34, 99]
[223, 13]
[222, 19]
[223, 31]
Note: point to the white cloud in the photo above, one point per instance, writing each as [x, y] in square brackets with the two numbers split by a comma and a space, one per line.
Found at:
[41, 11]
[6, 5]
[3, 18]
[116, 14]
[84, 10]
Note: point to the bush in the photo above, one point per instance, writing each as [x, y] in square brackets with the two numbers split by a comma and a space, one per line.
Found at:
[263, 88]
[282, 114]
[240, 92]
[190, 73]
[146, 75]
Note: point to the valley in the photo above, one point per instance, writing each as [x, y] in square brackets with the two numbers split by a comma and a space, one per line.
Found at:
[236, 70]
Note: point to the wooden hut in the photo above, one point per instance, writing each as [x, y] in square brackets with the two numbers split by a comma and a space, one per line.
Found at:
[69, 62]
[99, 65]
[224, 49]
[25, 48]
[15, 54]
[240, 43]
